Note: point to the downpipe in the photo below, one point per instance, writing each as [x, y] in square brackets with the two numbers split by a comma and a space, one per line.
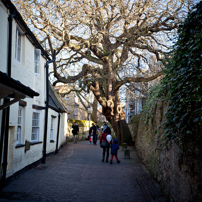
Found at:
[43, 160]
[6, 111]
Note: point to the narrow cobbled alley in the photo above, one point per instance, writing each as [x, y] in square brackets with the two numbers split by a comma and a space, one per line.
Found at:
[77, 173]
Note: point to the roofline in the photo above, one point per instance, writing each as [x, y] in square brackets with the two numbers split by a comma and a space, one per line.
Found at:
[56, 99]
[58, 109]
[28, 32]
[12, 83]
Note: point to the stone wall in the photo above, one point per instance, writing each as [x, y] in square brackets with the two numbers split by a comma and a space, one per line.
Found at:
[133, 126]
[178, 171]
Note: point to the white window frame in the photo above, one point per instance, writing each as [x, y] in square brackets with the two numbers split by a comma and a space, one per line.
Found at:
[37, 61]
[20, 125]
[52, 127]
[18, 44]
[76, 111]
[36, 126]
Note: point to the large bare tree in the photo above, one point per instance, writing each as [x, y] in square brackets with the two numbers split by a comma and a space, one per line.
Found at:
[108, 42]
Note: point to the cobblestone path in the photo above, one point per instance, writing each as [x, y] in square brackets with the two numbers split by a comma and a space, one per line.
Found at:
[77, 174]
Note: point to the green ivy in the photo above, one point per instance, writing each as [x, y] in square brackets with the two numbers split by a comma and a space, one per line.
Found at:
[148, 111]
[183, 80]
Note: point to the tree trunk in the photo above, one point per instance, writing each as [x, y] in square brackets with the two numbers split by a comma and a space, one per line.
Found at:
[94, 113]
[122, 131]
[116, 116]
[112, 110]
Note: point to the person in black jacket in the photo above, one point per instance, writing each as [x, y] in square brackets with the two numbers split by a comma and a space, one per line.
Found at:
[91, 133]
[95, 133]
[106, 128]
[75, 131]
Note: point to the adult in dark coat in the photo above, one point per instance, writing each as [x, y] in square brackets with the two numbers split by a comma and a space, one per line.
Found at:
[91, 133]
[95, 133]
[105, 149]
[75, 131]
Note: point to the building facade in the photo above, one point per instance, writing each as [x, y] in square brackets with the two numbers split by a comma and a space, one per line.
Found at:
[135, 101]
[29, 138]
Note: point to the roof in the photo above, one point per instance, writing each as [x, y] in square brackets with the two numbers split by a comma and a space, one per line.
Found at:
[11, 88]
[16, 85]
[24, 26]
[54, 101]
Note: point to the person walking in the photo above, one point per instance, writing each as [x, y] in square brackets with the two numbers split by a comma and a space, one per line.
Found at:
[106, 128]
[95, 134]
[95, 128]
[105, 149]
[75, 131]
[114, 151]
[91, 134]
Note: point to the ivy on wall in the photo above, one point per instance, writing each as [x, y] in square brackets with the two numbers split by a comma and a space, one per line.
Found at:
[182, 83]
[148, 111]
[183, 79]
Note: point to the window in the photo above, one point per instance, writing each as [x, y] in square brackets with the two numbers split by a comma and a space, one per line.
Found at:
[18, 44]
[35, 126]
[20, 122]
[52, 127]
[76, 111]
[37, 57]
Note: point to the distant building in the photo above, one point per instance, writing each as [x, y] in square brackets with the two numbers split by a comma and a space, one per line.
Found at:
[134, 103]
[137, 94]
[75, 109]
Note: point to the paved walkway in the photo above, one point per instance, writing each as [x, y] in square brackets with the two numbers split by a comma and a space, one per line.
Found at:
[77, 174]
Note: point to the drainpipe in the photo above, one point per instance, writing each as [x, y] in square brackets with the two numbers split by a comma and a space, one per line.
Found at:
[6, 111]
[2, 139]
[43, 160]
[10, 19]
[5, 151]
[58, 130]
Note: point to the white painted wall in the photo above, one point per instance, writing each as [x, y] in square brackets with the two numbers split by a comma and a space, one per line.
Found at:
[24, 72]
[51, 146]
[64, 128]
[3, 37]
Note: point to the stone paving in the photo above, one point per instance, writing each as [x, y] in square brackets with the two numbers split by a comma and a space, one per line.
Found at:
[77, 174]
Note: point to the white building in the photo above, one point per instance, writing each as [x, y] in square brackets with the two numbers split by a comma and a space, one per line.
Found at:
[134, 103]
[25, 135]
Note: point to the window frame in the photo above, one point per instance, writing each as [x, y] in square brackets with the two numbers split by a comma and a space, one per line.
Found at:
[20, 125]
[52, 127]
[18, 44]
[37, 61]
[76, 111]
[37, 126]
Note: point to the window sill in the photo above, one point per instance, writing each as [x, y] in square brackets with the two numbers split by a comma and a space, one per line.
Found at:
[52, 141]
[19, 145]
[33, 143]
[36, 74]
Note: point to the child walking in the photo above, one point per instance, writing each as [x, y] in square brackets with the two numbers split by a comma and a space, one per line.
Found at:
[114, 150]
